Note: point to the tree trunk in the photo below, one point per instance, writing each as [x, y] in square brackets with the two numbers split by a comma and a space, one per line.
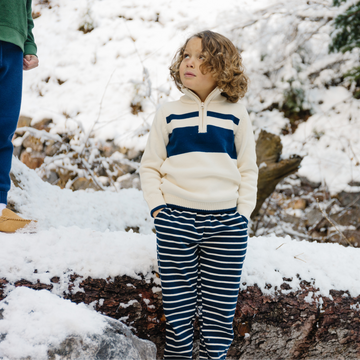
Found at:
[272, 169]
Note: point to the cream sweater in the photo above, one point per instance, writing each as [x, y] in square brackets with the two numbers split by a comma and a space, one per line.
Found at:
[200, 155]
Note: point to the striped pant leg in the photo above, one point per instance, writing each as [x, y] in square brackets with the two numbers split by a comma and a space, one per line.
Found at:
[222, 253]
[177, 251]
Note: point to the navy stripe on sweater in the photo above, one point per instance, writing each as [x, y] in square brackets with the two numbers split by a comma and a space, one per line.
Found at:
[231, 117]
[188, 139]
[181, 116]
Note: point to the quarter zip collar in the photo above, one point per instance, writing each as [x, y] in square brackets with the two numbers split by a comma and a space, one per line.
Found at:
[202, 105]
[216, 93]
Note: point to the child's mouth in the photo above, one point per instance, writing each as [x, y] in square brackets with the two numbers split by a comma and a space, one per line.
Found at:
[189, 74]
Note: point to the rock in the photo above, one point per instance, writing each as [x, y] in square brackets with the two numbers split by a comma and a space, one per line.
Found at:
[349, 199]
[305, 182]
[298, 204]
[33, 159]
[290, 327]
[83, 183]
[43, 124]
[117, 342]
[17, 151]
[88, 336]
[108, 148]
[34, 143]
[133, 154]
[52, 178]
[291, 324]
[52, 147]
[272, 169]
[24, 121]
[130, 181]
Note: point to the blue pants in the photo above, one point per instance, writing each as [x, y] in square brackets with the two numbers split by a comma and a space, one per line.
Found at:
[11, 72]
[200, 257]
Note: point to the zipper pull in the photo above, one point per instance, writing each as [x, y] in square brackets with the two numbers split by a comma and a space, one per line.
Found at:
[202, 105]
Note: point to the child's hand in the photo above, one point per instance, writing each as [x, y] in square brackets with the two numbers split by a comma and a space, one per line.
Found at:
[156, 212]
[30, 62]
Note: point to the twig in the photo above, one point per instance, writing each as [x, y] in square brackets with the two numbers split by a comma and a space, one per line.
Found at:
[296, 257]
[87, 166]
[333, 224]
[262, 216]
[280, 246]
[111, 180]
[100, 108]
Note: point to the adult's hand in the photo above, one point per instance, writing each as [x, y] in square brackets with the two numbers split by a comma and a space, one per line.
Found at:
[30, 62]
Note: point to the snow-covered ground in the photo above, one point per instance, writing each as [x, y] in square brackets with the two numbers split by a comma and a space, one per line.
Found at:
[84, 233]
[92, 79]
[101, 249]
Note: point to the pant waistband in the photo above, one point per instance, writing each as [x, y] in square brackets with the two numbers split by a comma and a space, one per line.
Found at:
[200, 211]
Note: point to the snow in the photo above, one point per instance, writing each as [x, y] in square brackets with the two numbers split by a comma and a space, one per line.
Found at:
[32, 320]
[91, 79]
[101, 211]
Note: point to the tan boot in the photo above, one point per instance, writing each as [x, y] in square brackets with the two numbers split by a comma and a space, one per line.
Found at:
[10, 222]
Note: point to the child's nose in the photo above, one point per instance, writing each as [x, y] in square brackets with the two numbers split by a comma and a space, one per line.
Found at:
[190, 63]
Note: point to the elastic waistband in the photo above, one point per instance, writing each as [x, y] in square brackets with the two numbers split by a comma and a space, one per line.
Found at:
[198, 211]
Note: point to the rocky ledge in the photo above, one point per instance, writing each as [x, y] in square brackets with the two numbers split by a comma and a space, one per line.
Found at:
[288, 324]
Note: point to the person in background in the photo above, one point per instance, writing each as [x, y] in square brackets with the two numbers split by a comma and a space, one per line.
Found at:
[199, 178]
[17, 53]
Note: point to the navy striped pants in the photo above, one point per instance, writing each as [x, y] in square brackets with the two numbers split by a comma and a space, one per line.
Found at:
[200, 257]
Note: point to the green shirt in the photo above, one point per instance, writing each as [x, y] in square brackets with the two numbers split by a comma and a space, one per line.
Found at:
[16, 24]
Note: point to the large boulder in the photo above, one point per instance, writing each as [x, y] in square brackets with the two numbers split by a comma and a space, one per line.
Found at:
[38, 325]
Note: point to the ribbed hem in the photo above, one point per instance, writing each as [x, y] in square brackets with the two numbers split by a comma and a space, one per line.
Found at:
[30, 49]
[196, 205]
[182, 208]
[11, 35]
[3, 197]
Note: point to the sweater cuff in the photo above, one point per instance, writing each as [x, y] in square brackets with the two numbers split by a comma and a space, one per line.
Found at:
[30, 49]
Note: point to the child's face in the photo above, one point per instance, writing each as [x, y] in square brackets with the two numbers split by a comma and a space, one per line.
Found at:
[190, 73]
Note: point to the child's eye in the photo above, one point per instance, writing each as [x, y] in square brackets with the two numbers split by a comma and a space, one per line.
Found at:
[186, 56]
[202, 57]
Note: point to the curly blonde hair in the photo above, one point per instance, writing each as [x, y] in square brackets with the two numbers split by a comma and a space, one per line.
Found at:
[221, 59]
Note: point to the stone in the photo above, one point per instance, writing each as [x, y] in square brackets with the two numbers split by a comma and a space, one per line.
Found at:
[52, 178]
[52, 147]
[43, 124]
[34, 143]
[116, 342]
[17, 151]
[108, 148]
[280, 326]
[133, 154]
[130, 181]
[33, 159]
[298, 204]
[24, 121]
[83, 183]
[349, 199]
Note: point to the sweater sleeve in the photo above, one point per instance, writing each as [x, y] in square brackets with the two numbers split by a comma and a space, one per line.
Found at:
[29, 46]
[246, 163]
[154, 155]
